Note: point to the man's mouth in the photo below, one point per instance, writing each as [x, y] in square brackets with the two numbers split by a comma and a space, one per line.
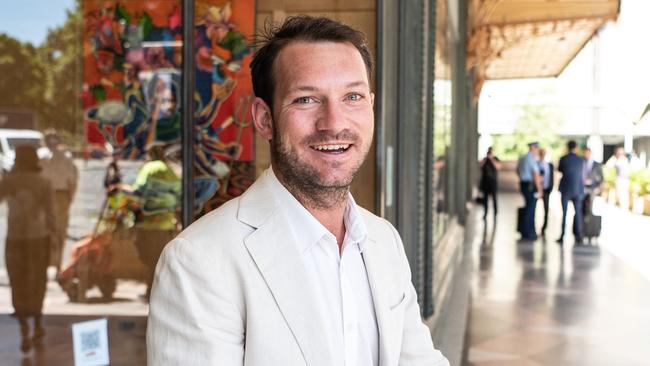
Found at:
[332, 148]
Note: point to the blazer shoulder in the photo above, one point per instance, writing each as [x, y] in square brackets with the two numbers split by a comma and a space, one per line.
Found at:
[218, 230]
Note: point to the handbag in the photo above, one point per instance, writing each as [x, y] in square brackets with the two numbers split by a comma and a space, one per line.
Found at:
[480, 199]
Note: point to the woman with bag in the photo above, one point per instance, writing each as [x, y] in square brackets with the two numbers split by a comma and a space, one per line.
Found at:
[30, 226]
[490, 166]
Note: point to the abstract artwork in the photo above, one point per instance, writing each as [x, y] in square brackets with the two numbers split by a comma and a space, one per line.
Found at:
[133, 54]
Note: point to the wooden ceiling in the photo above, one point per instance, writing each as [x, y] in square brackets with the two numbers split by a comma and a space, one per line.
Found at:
[511, 39]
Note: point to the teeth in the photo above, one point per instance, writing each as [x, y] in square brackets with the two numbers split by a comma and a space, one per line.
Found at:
[331, 147]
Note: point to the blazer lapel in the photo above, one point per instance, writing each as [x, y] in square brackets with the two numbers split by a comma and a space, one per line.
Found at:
[274, 250]
[376, 265]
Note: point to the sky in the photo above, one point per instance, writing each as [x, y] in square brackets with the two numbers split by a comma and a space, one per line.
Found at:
[29, 20]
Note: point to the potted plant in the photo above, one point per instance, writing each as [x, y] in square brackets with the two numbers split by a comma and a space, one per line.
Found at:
[644, 190]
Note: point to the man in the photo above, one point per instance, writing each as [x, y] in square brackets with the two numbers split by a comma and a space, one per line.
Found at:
[157, 189]
[621, 164]
[593, 179]
[293, 272]
[490, 166]
[546, 171]
[62, 173]
[571, 188]
[529, 182]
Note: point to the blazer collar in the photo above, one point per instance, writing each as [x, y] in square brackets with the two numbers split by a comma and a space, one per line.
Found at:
[378, 260]
[274, 249]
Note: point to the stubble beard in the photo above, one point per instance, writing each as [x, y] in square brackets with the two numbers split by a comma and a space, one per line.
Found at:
[304, 181]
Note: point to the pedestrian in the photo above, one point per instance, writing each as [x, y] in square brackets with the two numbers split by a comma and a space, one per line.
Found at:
[593, 180]
[157, 188]
[546, 171]
[530, 185]
[277, 276]
[571, 189]
[490, 166]
[621, 164]
[30, 228]
[62, 173]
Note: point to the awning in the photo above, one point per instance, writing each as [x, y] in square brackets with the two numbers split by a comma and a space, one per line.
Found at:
[511, 39]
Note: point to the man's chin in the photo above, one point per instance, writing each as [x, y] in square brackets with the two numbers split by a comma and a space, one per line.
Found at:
[328, 181]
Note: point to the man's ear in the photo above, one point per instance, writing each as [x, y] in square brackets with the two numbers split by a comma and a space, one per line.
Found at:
[262, 118]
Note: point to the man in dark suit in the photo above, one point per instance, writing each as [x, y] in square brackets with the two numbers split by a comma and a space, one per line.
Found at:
[593, 178]
[546, 171]
[572, 189]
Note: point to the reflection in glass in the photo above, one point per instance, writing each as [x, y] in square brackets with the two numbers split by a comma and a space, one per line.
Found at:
[442, 120]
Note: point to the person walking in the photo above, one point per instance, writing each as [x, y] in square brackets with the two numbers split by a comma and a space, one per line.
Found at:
[157, 188]
[62, 173]
[621, 164]
[530, 182]
[490, 166]
[571, 188]
[31, 224]
[546, 170]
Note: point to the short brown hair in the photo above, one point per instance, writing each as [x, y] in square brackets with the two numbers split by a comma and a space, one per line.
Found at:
[299, 28]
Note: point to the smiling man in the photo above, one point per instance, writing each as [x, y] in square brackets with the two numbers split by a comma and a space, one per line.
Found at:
[293, 272]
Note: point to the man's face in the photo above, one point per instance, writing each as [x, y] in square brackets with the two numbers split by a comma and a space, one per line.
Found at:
[52, 142]
[587, 154]
[323, 117]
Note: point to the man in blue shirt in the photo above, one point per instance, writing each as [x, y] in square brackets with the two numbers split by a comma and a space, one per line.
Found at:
[546, 172]
[530, 183]
[572, 188]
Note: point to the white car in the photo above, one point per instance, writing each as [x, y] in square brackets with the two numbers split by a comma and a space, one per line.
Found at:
[10, 138]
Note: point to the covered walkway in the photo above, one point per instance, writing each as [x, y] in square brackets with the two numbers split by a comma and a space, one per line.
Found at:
[541, 304]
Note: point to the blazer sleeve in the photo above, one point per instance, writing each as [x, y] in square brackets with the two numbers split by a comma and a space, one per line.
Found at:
[191, 322]
[417, 346]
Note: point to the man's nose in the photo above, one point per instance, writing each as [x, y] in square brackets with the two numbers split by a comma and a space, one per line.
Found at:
[333, 117]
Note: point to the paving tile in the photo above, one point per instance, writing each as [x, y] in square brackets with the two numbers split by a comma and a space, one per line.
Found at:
[541, 304]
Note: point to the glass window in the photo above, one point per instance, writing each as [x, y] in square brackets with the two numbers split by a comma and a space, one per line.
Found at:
[442, 120]
[86, 211]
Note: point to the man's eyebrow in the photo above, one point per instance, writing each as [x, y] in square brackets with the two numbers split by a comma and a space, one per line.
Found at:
[354, 84]
[311, 88]
[303, 88]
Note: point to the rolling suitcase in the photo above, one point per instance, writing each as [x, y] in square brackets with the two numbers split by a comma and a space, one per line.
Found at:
[591, 226]
[520, 219]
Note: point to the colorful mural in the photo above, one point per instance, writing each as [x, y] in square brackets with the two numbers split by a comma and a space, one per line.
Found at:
[132, 84]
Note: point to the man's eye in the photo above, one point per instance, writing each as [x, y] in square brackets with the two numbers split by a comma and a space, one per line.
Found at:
[354, 97]
[304, 100]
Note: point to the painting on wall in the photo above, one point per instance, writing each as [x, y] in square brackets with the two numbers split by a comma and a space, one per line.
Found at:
[132, 87]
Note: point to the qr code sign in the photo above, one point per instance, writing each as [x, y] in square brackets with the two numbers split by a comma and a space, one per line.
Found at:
[89, 341]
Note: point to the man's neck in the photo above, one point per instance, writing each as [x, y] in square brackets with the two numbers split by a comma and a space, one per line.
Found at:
[328, 208]
[333, 220]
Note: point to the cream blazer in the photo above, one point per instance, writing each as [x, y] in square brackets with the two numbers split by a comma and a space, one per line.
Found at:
[230, 290]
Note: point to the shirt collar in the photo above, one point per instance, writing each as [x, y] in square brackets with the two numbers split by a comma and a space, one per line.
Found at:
[355, 228]
[307, 230]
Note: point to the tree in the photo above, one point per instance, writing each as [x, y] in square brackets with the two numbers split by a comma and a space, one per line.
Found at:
[536, 123]
[62, 53]
[23, 80]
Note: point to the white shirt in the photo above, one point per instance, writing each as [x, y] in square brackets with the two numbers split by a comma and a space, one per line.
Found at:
[346, 307]
[588, 165]
[60, 170]
[545, 170]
